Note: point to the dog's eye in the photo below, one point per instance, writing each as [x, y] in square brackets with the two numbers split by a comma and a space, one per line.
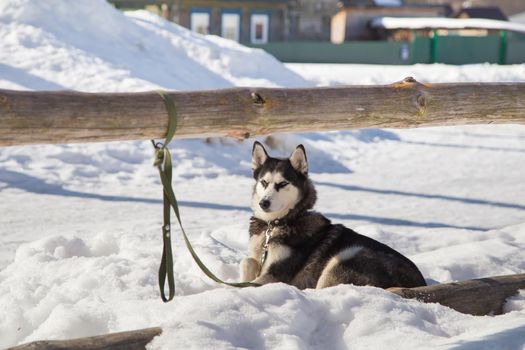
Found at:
[264, 183]
[282, 184]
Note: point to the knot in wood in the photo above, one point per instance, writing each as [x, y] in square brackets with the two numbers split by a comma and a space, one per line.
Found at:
[421, 100]
[4, 102]
[422, 103]
[257, 99]
[408, 82]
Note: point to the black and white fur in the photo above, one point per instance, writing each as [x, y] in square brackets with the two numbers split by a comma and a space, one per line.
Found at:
[305, 249]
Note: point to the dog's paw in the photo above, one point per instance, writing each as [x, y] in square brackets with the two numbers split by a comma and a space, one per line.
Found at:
[249, 269]
[265, 279]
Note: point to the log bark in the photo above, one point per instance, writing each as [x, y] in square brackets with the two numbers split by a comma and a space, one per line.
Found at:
[131, 340]
[484, 296]
[69, 117]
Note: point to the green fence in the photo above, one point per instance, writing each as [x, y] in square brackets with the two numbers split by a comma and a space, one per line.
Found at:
[459, 49]
[370, 52]
[515, 48]
[503, 49]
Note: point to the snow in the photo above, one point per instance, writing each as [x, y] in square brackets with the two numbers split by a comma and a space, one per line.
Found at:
[342, 74]
[50, 45]
[445, 23]
[393, 3]
[518, 18]
[80, 224]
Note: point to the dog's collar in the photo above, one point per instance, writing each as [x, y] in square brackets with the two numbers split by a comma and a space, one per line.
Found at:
[282, 221]
[276, 222]
[285, 221]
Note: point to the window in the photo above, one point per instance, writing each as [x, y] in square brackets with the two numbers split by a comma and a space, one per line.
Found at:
[259, 29]
[230, 26]
[200, 22]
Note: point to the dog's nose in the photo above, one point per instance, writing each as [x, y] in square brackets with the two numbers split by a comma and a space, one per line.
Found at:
[264, 204]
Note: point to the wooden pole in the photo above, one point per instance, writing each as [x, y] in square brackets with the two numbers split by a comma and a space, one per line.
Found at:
[28, 117]
[484, 296]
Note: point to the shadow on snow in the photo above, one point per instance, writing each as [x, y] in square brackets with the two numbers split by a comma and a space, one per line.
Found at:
[35, 185]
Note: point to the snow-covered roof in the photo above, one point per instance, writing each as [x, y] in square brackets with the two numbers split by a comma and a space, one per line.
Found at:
[388, 2]
[385, 3]
[444, 23]
[518, 18]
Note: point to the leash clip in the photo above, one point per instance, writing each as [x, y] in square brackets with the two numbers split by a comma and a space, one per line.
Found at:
[157, 145]
[268, 236]
[159, 153]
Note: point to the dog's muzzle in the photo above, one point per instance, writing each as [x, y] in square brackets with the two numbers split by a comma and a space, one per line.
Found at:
[265, 204]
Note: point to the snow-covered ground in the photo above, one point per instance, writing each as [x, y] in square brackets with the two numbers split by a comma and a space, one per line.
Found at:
[343, 74]
[80, 224]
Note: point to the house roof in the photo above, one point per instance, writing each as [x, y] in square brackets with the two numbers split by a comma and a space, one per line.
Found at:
[388, 3]
[519, 18]
[445, 23]
[483, 12]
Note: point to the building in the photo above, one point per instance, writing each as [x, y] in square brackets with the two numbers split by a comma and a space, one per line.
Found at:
[509, 7]
[251, 21]
[352, 20]
[309, 20]
[247, 21]
[482, 12]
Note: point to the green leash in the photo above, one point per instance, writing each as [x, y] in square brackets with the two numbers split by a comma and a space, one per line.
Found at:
[164, 165]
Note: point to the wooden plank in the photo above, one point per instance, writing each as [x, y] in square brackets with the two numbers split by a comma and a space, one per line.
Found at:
[28, 117]
[484, 296]
[131, 340]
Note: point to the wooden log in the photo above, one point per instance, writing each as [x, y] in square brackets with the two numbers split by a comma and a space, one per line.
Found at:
[484, 296]
[28, 117]
[131, 340]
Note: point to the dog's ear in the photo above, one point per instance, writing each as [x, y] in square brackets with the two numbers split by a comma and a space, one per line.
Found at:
[298, 160]
[259, 155]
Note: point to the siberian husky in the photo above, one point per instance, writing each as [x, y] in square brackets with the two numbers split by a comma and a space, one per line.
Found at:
[293, 244]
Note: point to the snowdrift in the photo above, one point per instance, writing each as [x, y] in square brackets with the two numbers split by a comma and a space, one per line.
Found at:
[56, 44]
[80, 224]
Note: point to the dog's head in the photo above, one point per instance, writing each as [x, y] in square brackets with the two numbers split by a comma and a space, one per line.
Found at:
[282, 185]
